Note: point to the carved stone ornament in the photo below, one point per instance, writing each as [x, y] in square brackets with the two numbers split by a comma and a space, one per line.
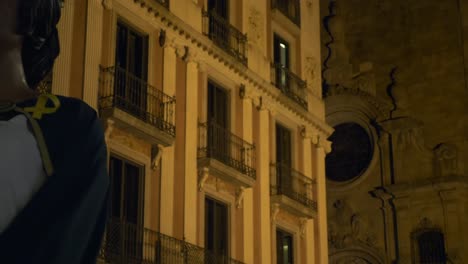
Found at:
[248, 93]
[311, 69]
[364, 80]
[186, 54]
[239, 197]
[325, 144]
[412, 138]
[156, 155]
[202, 177]
[274, 212]
[109, 129]
[446, 159]
[425, 223]
[162, 38]
[256, 26]
[347, 227]
[107, 4]
[303, 224]
[309, 132]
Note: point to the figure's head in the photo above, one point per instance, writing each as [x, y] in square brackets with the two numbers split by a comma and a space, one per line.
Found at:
[36, 23]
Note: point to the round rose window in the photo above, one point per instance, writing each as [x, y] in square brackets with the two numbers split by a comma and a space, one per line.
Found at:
[351, 152]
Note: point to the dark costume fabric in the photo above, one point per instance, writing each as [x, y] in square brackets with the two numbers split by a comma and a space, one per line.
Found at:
[65, 220]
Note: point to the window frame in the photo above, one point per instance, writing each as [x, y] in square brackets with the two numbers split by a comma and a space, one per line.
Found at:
[278, 39]
[415, 243]
[228, 223]
[293, 245]
[141, 187]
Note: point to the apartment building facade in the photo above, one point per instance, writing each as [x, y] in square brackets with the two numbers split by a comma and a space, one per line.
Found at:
[214, 122]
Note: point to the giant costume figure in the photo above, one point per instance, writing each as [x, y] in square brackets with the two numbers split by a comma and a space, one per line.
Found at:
[64, 219]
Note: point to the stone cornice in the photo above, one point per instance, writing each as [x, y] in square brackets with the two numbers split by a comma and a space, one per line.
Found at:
[429, 185]
[196, 40]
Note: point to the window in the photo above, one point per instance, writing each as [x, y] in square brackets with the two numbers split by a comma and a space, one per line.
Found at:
[220, 7]
[131, 69]
[219, 22]
[216, 230]
[351, 153]
[218, 123]
[126, 208]
[127, 188]
[218, 103]
[289, 8]
[281, 60]
[430, 248]
[284, 179]
[283, 146]
[284, 247]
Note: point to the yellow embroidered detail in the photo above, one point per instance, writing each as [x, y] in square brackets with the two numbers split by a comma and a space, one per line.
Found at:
[41, 106]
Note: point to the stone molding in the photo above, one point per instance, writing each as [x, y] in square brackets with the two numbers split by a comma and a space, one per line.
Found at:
[357, 254]
[437, 184]
[382, 108]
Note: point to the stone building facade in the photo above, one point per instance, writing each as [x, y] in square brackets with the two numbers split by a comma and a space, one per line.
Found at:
[396, 92]
[215, 125]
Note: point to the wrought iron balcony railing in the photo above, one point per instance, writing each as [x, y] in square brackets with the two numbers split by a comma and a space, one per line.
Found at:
[127, 243]
[125, 91]
[225, 35]
[291, 183]
[290, 8]
[290, 84]
[219, 143]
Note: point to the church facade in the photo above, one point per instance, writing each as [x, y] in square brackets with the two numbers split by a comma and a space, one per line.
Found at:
[395, 88]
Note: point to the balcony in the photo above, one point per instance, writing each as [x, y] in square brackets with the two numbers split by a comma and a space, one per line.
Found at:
[292, 190]
[225, 36]
[226, 155]
[289, 8]
[127, 243]
[290, 84]
[136, 106]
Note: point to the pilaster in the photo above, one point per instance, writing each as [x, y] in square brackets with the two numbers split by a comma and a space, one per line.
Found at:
[263, 235]
[248, 221]
[94, 24]
[191, 123]
[453, 235]
[322, 147]
[310, 242]
[308, 237]
[62, 67]
[167, 163]
[389, 223]
[404, 228]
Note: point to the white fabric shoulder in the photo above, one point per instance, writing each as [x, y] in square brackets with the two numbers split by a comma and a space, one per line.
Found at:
[21, 169]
